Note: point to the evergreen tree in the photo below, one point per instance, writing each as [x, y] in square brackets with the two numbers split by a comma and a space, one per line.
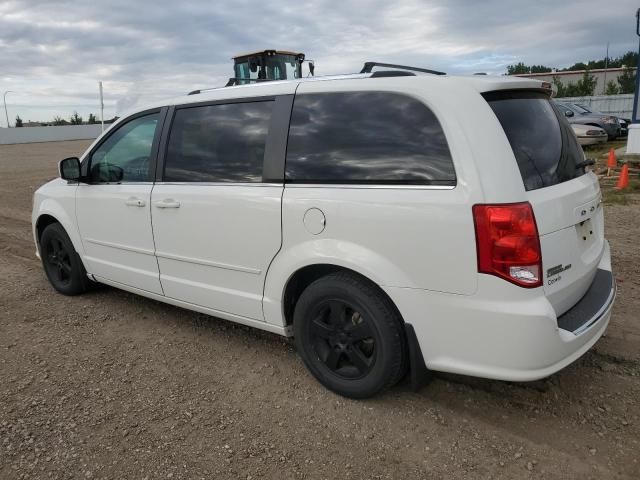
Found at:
[612, 88]
[627, 81]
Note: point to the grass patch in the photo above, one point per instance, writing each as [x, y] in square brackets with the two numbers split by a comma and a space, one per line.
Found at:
[596, 151]
[614, 197]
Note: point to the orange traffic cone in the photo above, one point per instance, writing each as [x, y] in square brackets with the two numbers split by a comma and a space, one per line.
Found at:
[623, 181]
[611, 162]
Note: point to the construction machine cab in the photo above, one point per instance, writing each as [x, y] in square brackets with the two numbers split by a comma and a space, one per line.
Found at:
[267, 65]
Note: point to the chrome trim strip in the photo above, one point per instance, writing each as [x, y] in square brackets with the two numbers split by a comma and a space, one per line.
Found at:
[372, 186]
[600, 312]
[207, 263]
[222, 184]
[96, 184]
[312, 185]
[119, 246]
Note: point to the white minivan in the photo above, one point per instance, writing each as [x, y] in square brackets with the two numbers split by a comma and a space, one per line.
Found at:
[390, 222]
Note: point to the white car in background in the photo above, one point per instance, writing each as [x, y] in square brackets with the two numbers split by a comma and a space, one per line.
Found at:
[390, 222]
[588, 134]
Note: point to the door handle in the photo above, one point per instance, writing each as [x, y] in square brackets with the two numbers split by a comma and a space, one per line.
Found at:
[135, 202]
[168, 203]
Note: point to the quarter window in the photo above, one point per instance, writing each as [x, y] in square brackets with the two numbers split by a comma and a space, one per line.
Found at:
[125, 155]
[542, 141]
[218, 143]
[366, 137]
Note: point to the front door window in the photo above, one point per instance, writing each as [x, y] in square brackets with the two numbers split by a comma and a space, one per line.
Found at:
[125, 155]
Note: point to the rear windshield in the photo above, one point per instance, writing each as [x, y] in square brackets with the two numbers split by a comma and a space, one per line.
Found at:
[543, 143]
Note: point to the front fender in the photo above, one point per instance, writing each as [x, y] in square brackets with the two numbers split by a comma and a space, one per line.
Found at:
[324, 251]
[57, 199]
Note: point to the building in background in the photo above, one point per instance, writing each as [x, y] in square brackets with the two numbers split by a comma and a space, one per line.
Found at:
[601, 75]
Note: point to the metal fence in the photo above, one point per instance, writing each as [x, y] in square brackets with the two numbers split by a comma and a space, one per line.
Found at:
[618, 105]
[49, 134]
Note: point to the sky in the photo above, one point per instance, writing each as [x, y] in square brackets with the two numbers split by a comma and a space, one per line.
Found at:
[53, 52]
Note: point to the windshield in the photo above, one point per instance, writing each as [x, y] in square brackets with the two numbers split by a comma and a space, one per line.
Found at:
[542, 141]
[581, 109]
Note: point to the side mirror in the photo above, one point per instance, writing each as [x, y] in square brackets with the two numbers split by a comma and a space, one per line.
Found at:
[312, 67]
[568, 113]
[69, 169]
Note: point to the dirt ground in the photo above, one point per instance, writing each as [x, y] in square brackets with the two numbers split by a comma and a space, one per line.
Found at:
[111, 385]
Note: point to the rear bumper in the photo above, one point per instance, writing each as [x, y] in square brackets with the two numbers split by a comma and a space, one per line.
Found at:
[502, 332]
[592, 140]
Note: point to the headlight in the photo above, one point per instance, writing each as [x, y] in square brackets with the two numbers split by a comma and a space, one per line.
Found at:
[609, 120]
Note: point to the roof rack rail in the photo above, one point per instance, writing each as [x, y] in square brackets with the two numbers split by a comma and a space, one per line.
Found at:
[392, 73]
[232, 81]
[368, 66]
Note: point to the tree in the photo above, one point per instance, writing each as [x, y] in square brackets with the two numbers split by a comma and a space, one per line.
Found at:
[18, 121]
[627, 81]
[629, 59]
[517, 69]
[540, 69]
[92, 119]
[561, 90]
[582, 88]
[76, 119]
[57, 120]
[586, 85]
[612, 88]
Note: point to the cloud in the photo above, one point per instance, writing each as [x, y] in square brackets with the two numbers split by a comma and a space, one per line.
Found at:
[55, 51]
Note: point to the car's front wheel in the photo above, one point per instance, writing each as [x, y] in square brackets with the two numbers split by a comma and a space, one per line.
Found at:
[62, 265]
[349, 335]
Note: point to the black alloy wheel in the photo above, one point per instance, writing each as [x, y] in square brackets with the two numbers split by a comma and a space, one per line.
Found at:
[349, 335]
[61, 262]
[342, 339]
[57, 261]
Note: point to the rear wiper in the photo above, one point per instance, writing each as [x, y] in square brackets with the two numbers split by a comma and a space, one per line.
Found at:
[587, 163]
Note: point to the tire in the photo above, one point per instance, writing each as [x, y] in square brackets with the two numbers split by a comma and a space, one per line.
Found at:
[61, 263]
[349, 335]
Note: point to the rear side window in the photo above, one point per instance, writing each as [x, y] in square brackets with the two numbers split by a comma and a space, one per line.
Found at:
[543, 143]
[218, 143]
[366, 137]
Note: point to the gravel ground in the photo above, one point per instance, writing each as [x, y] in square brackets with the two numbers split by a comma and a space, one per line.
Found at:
[111, 385]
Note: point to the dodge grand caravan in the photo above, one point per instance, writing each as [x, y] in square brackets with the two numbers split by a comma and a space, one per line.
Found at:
[390, 223]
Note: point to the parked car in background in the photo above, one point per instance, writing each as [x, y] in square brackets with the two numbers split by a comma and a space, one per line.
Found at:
[624, 122]
[582, 116]
[589, 135]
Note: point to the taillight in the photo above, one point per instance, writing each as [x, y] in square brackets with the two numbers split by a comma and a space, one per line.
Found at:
[508, 244]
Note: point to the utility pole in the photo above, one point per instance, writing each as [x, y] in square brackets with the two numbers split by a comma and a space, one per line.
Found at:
[5, 106]
[101, 106]
[633, 138]
[606, 66]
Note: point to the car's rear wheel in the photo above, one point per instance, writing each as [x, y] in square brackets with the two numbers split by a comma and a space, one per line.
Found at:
[349, 335]
[62, 265]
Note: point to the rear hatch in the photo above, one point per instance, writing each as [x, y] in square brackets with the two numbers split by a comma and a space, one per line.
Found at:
[566, 199]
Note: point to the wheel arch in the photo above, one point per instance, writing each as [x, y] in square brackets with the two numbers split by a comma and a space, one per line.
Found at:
[51, 213]
[43, 222]
[304, 276]
[418, 373]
